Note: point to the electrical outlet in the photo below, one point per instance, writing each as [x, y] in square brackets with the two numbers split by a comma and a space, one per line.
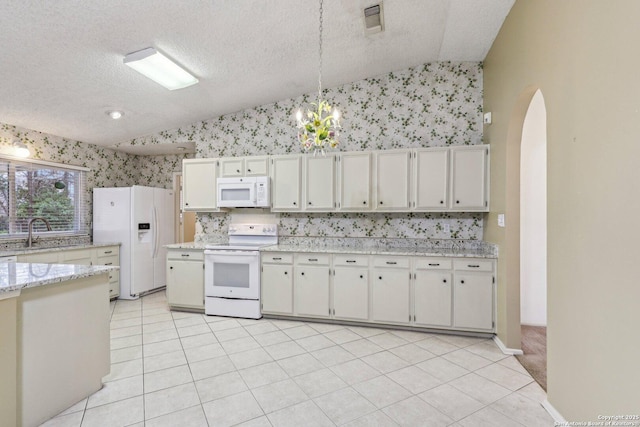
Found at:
[446, 228]
[500, 220]
[487, 118]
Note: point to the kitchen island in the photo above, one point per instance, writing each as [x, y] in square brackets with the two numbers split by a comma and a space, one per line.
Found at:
[54, 340]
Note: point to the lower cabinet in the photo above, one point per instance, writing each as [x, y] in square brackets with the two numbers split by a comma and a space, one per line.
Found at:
[424, 292]
[311, 285]
[351, 287]
[185, 278]
[277, 283]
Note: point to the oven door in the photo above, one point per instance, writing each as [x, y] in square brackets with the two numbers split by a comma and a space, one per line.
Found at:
[232, 274]
[234, 195]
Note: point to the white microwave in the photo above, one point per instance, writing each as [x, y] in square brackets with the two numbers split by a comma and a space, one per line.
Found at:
[244, 192]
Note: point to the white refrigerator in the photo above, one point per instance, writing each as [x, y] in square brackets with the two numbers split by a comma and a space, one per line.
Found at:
[140, 219]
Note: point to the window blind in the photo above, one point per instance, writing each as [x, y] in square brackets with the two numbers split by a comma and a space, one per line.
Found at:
[42, 190]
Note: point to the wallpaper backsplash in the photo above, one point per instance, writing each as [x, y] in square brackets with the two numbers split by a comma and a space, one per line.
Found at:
[436, 104]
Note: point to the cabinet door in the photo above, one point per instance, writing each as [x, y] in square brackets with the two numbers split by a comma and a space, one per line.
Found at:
[319, 182]
[185, 283]
[285, 181]
[473, 301]
[390, 295]
[432, 298]
[392, 180]
[311, 291]
[431, 178]
[355, 181]
[351, 293]
[199, 184]
[469, 178]
[231, 166]
[277, 289]
[256, 166]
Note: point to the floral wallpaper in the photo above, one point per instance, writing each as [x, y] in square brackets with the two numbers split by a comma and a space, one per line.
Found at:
[436, 104]
[108, 168]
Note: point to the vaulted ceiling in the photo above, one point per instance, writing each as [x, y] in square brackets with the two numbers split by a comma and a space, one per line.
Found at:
[62, 61]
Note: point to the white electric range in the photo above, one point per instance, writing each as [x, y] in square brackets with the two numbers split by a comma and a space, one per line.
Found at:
[232, 271]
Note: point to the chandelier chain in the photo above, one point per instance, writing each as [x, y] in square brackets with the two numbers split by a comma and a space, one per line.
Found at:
[320, 57]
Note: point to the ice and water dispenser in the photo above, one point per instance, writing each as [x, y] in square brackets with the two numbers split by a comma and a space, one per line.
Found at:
[144, 232]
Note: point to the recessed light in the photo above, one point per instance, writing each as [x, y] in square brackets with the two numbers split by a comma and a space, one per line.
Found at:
[115, 114]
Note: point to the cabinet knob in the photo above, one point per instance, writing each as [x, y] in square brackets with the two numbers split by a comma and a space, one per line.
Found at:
[309, 202]
[302, 273]
[364, 203]
[457, 201]
[462, 281]
[238, 170]
[381, 202]
[286, 272]
[361, 276]
[171, 268]
[444, 280]
[248, 170]
[380, 277]
[294, 203]
[442, 202]
[187, 204]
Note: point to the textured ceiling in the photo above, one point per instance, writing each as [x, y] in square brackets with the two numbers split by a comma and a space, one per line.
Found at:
[62, 64]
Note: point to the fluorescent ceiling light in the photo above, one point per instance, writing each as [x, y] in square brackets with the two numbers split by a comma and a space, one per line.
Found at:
[151, 63]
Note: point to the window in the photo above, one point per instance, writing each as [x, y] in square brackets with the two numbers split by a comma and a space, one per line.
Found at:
[35, 189]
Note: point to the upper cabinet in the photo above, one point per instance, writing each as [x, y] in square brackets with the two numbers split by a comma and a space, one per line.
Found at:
[285, 182]
[470, 178]
[392, 180]
[319, 183]
[354, 178]
[244, 166]
[430, 192]
[199, 185]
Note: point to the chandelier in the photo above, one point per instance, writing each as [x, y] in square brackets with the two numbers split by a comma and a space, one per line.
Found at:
[319, 128]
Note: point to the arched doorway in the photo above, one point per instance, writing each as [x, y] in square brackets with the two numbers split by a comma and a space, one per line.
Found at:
[533, 238]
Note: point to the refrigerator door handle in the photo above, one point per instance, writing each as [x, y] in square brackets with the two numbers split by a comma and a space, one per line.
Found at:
[154, 249]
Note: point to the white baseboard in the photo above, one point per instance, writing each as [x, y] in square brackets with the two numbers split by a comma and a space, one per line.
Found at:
[504, 349]
[557, 417]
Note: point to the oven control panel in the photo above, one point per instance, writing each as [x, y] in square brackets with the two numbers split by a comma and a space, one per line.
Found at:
[253, 229]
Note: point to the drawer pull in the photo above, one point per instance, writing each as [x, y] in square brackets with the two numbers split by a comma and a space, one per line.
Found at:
[391, 262]
[473, 265]
[434, 264]
[107, 252]
[313, 259]
[108, 263]
[276, 258]
[351, 261]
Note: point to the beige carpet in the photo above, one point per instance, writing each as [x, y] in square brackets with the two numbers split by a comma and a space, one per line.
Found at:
[534, 359]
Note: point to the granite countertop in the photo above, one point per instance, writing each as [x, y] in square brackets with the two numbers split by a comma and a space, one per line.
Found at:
[370, 246]
[24, 251]
[382, 250]
[22, 275]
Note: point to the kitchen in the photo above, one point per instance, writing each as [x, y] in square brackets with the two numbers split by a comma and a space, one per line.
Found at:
[259, 130]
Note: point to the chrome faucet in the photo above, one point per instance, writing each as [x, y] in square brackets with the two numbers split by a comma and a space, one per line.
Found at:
[30, 239]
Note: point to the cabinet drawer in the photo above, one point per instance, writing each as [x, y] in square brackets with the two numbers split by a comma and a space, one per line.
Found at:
[109, 251]
[359, 260]
[473, 265]
[114, 276]
[277, 258]
[81, 255]
[186, 255]
[108, 260]
[312, 259]
[433, 264]
[394, 262]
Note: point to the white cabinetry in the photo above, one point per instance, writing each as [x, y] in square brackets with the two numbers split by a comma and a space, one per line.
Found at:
[392, 180]
[473, 292]
[354, 181]
[432, 297]
[285, 183]
[469, 178]
[319, 183]
[109, 255]
[277, 283]
[431, 179]
[351, 287]
[199, 185]
[185, 278]
[311, 285]
[244, 166]
[390, 290]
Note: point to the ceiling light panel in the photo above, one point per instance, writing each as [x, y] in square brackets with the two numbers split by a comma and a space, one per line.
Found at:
[156, 66]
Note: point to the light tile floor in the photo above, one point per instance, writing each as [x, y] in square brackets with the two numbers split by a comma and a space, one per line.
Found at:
[184, 369]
